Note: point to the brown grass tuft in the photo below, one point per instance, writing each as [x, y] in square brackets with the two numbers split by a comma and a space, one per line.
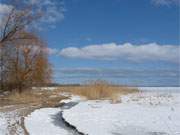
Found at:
[36, 97]
[50, 98]
[99, 90]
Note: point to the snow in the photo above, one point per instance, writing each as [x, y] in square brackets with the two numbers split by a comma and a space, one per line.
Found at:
[145, 113]
[44, 122]
[48, 121]
[167, 89]
[3, 125]
[72, 98]
[45, 88]
[153, 98]
[10, 123]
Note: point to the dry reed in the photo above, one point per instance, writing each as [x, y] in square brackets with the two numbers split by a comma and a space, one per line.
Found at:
[98, 90]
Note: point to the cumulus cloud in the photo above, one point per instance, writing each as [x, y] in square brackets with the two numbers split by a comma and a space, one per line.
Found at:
[127, 51]
[166, 2]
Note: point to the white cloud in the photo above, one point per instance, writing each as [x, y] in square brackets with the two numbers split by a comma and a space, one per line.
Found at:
[50, 51]
[4, 9]
[128, 51]
[166, 2]
[52, 11]
[119, 72]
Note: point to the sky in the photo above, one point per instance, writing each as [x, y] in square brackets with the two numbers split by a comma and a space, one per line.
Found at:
[122, 41]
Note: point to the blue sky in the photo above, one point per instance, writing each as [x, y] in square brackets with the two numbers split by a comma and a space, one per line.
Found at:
[114, 40]
[115, 21]
[92, 22]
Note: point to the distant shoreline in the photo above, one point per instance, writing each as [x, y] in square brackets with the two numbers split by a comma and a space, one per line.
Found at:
[79, 84]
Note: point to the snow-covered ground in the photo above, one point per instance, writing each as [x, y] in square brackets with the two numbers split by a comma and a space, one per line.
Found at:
[10, 123]
[44, 88]
[145, 113]
[71, 98]
[166, 89]
[48, 121]
[3, 125]
[45, 122]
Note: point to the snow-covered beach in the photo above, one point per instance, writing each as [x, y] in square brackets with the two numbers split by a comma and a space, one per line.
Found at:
[45, 122]
[153, 111]
[137, 114]
[143, 113]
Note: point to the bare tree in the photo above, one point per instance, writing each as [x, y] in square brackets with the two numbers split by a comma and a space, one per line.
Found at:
[22, 57]
[30, 64]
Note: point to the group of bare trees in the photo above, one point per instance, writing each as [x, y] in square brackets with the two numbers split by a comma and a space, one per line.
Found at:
[23, 61]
